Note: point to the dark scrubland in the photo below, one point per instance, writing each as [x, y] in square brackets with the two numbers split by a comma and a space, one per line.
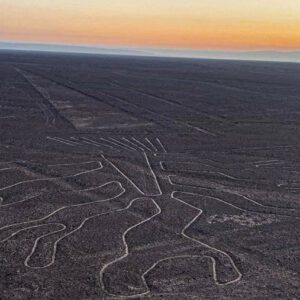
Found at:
[156, 178]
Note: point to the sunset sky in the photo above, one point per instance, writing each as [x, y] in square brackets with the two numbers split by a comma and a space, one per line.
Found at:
[194, 24]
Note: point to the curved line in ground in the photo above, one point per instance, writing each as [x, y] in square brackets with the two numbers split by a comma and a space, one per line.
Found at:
[70, 206]
[237, 194]
[72, 232]
[31, 227]
[214, 264]
[183, 233]
[52, 178]
[36, 243]
[126, 244]
[131, 181]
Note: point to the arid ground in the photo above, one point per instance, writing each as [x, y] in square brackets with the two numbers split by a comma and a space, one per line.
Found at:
[153, 178]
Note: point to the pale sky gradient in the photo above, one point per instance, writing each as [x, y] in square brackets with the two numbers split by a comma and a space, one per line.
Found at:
[199, 24]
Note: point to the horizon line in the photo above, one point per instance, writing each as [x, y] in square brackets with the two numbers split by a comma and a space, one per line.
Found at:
[224, 54]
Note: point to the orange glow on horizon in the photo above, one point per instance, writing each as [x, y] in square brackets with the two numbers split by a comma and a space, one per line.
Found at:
[31, 21]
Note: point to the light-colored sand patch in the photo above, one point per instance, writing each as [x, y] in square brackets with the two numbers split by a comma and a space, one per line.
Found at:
[243, 220]
[124, 126]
